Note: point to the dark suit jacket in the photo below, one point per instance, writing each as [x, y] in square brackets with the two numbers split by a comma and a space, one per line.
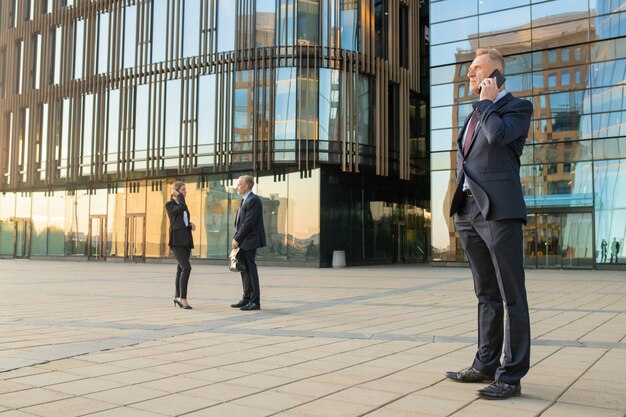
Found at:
[180, 235]
[492, 163]
[250, 230]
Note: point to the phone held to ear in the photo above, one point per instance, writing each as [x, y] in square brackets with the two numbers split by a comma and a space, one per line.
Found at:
[499, 79]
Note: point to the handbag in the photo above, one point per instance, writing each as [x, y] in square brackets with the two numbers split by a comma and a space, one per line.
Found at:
[235, 261]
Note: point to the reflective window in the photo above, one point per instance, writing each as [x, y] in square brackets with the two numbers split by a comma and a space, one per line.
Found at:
[349, 25]
[506, 20]
[65, 139]
[451, 52]
[191, 28]
[77, 223]
[329, 104]
[365, 101]
[454, 30]
[113, 130]
[452, 9]
[265, 18]
[130, 36]
[35, 59]
[486, 6]
[79, 39]
[19, 60]
[43, 151]
[39, 230]
[87, 132]
[172, 121]
[56, 224]
[159, 30]
[308, 22]
[207, 100]
[555, 11]
[103, 42]
[56, 65]
[225, 25]
[29, 9]
[610, 26]
[243, 124]
[610, 208]
[608, 73]
[285, 25]
[142, 119]
[608, 99]
[7, 223]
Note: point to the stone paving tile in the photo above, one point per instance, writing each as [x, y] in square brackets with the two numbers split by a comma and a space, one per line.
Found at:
[70, 407]
[373, 340]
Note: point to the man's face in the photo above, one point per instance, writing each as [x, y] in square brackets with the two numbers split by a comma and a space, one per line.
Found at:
[481, 68]
[242, 187]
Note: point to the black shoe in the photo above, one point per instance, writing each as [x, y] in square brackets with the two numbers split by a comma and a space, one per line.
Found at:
[240, 304]
[177, 303]
[250, 306]
[186, 307]
[469, 375]
[499, 390]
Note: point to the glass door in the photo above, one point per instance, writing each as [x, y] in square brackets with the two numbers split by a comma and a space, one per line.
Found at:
[97, 238]
[135, 238]
[558, 240]
[22, 238]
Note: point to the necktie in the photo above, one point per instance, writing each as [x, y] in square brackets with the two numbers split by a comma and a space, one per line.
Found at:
[471, 128]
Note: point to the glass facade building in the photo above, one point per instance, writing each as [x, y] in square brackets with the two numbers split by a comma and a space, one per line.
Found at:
[103, 104]
[568, 57]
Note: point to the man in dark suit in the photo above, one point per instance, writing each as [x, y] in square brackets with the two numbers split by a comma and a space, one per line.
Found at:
[249, 236]
[489, 211]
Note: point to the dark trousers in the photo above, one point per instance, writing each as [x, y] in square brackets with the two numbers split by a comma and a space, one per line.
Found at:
[250, 278]
[183, 270]
[495, 253]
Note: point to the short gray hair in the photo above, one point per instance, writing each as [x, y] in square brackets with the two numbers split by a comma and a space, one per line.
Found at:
[249, 180]
[494, 55]
[177, 185]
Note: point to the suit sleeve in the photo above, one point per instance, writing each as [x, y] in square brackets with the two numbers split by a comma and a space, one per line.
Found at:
[249, 221]
[173, 208]
[502, 129]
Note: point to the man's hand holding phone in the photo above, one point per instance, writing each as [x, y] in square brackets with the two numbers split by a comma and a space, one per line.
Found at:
[490, 87]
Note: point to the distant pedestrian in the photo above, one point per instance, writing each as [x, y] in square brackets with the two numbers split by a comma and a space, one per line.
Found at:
[181, 240]
[603, 247]
[614, 250]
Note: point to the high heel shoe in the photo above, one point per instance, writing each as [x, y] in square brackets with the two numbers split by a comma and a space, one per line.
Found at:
[186, 307]
[178, 303]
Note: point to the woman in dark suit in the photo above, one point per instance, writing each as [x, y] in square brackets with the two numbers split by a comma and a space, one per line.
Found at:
[181, 240]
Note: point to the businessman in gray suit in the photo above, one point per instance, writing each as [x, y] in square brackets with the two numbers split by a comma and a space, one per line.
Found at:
[249, 236]
[489, 211]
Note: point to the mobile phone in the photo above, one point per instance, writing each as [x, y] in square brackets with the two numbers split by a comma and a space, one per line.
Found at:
[499, 79]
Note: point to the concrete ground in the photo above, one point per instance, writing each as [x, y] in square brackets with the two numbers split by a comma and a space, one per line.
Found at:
[104, 339]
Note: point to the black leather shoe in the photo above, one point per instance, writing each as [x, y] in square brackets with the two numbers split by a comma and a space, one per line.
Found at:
[240, 304]
[499, 390]
[250, 306]
[469, 375]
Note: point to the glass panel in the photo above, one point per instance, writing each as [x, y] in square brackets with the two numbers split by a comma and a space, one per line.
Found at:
[443, 140]
[142, 119]
[157, 229]
[79, 39]
[506, 20]
[610, 207]
[266, 23]
[39, 238]
[87, 144]
[577, 231]
[610, 26]
[329, 104]
[172, 122]
[7, 223]
[349, 25]
[555, 11]
[113, 132]
[454, 30]
[303, 218]
[486, 6]
[530, 241]
[103, 42]
[446, 245]
[514, 43]
[56, 65]
[608, 99]
[453, 9]
[191, 28]
[609, 148]
[77, 223]
[159, 30]
[216, 224]
[56, 224]
[451, 52]
[274, 194]
[558, 185]
[243, 123]
[608, 73]
[285, 109]
[308, 22]
[549, 235]
[130, 36]
[116, 221]
[206, 119]
[226, 21]
[560, 34]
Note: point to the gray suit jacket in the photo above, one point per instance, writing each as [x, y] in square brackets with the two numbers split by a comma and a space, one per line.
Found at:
[492, 163]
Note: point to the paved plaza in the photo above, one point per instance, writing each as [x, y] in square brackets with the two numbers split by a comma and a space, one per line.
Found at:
[104, 339]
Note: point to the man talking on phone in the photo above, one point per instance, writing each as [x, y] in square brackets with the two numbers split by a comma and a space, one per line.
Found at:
[489, 211]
